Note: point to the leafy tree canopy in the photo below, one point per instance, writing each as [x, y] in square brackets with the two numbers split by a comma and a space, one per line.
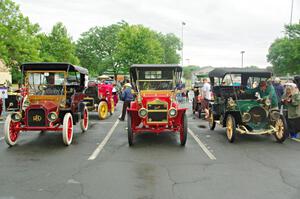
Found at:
[284, 53]
[18, 41]
[57, 46]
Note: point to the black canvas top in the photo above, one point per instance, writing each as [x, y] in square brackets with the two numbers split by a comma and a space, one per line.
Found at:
[53, 66]
[178, 68]
[221, 72]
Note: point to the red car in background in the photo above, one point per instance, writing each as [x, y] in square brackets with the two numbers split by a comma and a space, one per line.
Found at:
[99, 98]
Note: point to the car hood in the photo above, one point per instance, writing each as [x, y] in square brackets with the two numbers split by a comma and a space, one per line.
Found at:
[48, 105]
[246, 105]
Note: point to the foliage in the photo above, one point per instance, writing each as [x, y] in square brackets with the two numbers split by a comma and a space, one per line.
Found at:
[188, 70]
[284, 53]
[57, 46]
[18, 41]
[114, 48]
[97, 48]
[170, 44]
[139, 45]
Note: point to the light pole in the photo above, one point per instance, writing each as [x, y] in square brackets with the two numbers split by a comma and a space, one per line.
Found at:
[188, 61]
[242, 52]
[182, 24]
[291, 18]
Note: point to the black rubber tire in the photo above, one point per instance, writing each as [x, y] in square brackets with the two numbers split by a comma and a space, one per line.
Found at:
[285, 130]
[185, 129]
[212, 125]
[232, 139]
[193, 106]
[199, 111]
[129, 130]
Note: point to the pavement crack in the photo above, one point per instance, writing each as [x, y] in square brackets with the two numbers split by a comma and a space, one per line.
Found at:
[280, 171]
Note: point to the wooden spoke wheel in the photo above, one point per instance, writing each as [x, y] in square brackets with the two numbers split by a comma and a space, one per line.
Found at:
[11, 132]
[84, 122]
[183, 130]
[67, 129]
[211, 120]
[129, 130]
[281, 129]
[230, 128]
[112, 106]
[102, 110]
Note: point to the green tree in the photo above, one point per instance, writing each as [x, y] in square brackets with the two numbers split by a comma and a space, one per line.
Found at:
[188, 70]
[284, 53]
[139, 45]
[170, 44]
[97, 48]
[57, 46]
[18, 41]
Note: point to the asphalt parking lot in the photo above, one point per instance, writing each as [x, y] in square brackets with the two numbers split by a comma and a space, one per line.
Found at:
[100, 164]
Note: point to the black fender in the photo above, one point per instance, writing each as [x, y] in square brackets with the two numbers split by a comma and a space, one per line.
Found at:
[81, 107]
[236, 114]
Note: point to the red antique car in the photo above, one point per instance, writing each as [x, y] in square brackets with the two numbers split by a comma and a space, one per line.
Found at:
[155, 108]
[52, 100]
[99, 97]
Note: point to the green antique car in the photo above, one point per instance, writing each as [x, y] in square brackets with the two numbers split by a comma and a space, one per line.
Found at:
[243, 112]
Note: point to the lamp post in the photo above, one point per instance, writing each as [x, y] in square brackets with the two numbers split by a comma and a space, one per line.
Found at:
[188, 61]
[242, 52]
[291, 17]
[182, 24]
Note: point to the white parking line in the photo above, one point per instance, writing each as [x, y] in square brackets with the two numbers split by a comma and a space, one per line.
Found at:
[104, 141]
[202, 146]
[296, 139]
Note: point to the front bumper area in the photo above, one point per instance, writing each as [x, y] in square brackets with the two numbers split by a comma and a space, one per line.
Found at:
[243, 130]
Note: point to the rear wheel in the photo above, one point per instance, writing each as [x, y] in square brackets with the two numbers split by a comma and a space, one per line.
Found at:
[129, 130]
[67, 129]
[199, 110]
[183, 130]
[211, 120]
[281, 129]
[112, 106]
[194, 106]
[230, 128]
[11, 133]
[102, 110]
[84, 122]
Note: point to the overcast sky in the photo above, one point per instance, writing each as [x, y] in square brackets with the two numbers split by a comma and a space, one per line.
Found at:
[215, 33]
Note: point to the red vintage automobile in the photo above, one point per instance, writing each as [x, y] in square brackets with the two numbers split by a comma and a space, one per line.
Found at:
[99, 97]
[155, 108]
[52, 100]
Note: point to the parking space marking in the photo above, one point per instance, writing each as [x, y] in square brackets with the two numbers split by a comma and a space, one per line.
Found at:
[202, 146]
[296, 139]
[104, 141]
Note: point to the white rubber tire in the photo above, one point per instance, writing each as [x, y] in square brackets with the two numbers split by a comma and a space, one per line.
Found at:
[84, 127]
[67, 132]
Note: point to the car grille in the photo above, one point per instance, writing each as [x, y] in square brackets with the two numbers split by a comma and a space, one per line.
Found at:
[157, 117]
[89, 102]
[36, 117]
[11, 102]
[258, 115]
[157, 112]
[157, 107]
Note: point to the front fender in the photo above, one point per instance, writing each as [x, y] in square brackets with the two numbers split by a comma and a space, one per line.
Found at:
[180, 113]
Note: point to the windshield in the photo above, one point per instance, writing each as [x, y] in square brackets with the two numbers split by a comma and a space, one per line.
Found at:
[46, 83]
[155, 79]
[155, 85]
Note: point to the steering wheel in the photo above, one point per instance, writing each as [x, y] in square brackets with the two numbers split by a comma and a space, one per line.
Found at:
[42, 87]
